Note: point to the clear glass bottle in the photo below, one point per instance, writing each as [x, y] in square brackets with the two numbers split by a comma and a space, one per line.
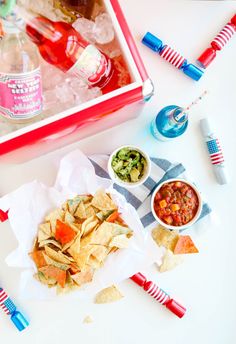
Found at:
[169, 123]
[81, 8]
[20, 77]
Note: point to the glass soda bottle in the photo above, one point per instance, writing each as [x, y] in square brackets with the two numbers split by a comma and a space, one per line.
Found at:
[62, 46]
[68, 51]
[20, 78]
[169, 123]
[81, 8]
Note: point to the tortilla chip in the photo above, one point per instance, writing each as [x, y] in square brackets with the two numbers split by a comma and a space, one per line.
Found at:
[68, 245]
[106, 231]
[90, 211]
[89, 227]
[49, 281]
[80, 211]
[74, 269]
[67, 288]
[38, 258]
[94, 263]
[100, 252]
[64, 233]
[85, 222]
[50, 241]
[73, 204]
[113, 249]
[74, 248]
[76, 227]
[170, 261]
[65, 206]
[165, 237]
[42, 236]
[69, 219]
[86, 198]
[46, 228]
[87, 320]
[53, 262]
[35, 245]
[57, 256]
[119, 241]
[56, 273]
[55, 214]
[69, 285]
[102, 201]
[185, 245]
[107, 295]
[71, 259]
[83, 277]
[82, 257]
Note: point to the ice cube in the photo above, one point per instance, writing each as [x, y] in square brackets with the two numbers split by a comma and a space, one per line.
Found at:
[49, 99]
[111, 49]
[76, 84]
[103, 29]
[64, 93]
[85, 94]
[85, 28]
[51, 76]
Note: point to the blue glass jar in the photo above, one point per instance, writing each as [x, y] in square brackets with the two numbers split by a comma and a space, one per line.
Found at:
[169, 123]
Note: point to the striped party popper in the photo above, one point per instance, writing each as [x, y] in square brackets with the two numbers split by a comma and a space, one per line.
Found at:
[218, 43]
[10, 309]
[172, 56]
[214, 151]
[158, 294]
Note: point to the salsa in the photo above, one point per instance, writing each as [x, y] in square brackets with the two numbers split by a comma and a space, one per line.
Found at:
[176, 203]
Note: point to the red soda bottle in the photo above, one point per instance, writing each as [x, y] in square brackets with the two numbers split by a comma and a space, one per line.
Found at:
[63, 47]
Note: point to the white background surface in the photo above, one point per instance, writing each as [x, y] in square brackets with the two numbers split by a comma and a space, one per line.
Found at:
[204, 283]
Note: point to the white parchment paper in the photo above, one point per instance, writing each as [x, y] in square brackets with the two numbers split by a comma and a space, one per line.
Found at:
[28, 206]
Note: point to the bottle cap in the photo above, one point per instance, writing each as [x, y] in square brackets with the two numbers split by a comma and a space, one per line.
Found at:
[192, 71]
[6, 7]
[206, 57]
[152, 42]
[176, 308]
[179, 116]
[11, 23]
[19, 321]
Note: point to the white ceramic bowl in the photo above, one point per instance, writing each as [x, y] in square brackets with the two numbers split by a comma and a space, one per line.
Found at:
[120, 182]
[190, 223]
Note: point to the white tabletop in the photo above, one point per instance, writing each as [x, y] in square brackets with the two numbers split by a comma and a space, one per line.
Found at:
[205, 283]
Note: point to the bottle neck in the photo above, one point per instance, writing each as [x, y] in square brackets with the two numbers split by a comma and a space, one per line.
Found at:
[37, 27]
[12, 24]
[177, 116]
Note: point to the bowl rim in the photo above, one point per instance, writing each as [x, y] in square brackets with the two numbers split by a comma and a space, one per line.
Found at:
[114, 176]
[198, 213]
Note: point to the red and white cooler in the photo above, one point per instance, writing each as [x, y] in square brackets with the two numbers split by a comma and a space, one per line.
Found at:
[91, 117]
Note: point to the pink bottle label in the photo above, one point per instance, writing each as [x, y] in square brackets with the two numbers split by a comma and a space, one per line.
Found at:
[21, 95]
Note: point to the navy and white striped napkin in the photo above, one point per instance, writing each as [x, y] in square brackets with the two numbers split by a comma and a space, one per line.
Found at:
[140, 197]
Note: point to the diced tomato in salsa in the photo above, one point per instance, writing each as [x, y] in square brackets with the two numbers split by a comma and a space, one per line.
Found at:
[176, 203]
